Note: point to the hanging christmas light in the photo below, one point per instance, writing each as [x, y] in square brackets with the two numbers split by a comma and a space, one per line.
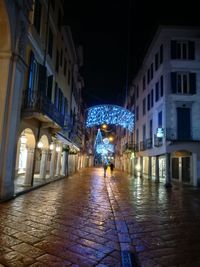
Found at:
[110, 114]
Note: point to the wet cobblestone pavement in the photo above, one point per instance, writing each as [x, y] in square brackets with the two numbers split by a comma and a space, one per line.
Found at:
[89, 220]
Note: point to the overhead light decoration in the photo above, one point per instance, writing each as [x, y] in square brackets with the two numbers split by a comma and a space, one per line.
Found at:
[110, 114]
[102, 147]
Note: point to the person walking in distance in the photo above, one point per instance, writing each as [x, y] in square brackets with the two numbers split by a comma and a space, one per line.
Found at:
[111, 168]
[105, 166]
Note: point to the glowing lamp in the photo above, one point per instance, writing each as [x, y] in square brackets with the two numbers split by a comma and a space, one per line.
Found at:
[138, 167]
[110, 138]
[23, 139]
[58, 149]
[40, 144]
[51, 147]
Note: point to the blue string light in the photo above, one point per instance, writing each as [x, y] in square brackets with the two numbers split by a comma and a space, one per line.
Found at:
[110, 114]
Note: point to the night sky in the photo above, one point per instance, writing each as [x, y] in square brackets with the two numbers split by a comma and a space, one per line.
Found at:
[115, 35]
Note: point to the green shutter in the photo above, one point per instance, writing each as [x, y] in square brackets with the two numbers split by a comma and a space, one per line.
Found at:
[192, 83]
[173, 82]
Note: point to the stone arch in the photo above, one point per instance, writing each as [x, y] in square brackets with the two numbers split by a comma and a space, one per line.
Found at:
[45, 141]
[26, 142]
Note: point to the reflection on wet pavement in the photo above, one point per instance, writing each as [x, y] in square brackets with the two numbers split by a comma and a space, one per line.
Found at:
[87, 220]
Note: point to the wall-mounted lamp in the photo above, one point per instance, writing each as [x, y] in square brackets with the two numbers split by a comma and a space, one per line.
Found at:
[40, 144]
[23, 139]
[51, 147]
[58, 149]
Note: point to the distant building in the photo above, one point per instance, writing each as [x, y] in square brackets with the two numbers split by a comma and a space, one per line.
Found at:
[165, 96]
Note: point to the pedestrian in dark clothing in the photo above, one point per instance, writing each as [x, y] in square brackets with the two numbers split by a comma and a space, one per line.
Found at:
[111, 167]
[105, 166]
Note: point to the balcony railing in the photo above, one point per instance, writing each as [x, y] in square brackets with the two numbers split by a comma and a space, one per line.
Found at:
[149, 143]
[129, 147]
[158, 141]
[171, 135]
[136, 147]
[36, 101]
[142, 145]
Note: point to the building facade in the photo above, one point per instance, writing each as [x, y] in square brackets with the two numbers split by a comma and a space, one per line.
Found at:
[165, 96]
[41, 96]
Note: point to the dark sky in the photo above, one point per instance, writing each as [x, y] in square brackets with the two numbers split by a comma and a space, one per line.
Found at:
[112, 31]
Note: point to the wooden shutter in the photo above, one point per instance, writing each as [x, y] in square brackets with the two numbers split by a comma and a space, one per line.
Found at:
[173, 82]
[173, 49]
[42, 78]
[192, 77]
[191, 50]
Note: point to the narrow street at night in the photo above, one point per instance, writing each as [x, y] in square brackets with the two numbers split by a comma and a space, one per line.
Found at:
[89, 220]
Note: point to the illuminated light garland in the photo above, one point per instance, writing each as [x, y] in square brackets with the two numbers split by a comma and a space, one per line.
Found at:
[102, 147]
[110, 114]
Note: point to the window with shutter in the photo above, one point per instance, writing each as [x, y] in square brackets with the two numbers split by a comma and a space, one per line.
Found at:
[157, 92]
[192, 83]
[42, 75]
[181, 49]
[183, 83]
[37, 15]
[160, 119]
[161, 86]
[161, 54]
[156, 61]
[57, 61]
[56, 93]
[50, 43]
[49, 86]
[148, 102]
[144, 106]
[150, 128]
[32, 72]
[152, 94]
[173, 82]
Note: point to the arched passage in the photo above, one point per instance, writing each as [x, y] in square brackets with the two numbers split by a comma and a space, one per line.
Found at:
[25, 157]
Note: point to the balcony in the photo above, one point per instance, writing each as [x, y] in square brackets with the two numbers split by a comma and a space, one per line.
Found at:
[37, 105]
[172, 135]
[129, 147]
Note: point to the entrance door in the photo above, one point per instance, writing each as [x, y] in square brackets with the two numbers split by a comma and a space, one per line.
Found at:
[175, 168]
[186, 169]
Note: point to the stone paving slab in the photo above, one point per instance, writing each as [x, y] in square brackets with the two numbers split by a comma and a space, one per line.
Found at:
[163, 224]
[67, 223]
[88, 220]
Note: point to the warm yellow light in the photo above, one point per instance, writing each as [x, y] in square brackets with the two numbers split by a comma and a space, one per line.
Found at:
[51, 146]
[58, 149]
[138, 167]
[40, 144]
[23, 139]
[104, 126]
[110, 138]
